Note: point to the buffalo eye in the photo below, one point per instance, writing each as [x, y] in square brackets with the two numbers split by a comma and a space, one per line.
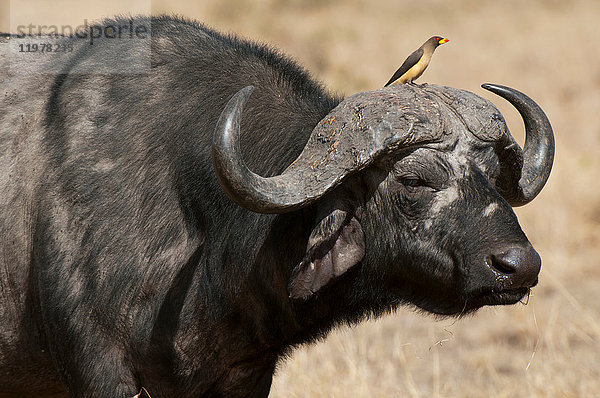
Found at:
[413, 183]
[415, 175]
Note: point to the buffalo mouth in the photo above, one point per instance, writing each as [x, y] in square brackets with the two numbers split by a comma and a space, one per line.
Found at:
[497, 297]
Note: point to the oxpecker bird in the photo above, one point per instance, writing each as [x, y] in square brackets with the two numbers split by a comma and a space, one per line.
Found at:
[415, 64]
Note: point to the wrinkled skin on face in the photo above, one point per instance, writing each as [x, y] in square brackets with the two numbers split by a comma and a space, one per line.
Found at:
[445, 221]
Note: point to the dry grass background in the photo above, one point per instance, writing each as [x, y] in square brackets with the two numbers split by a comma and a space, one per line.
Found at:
[546, 48]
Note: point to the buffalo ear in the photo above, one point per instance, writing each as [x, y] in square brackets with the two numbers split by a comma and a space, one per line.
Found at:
[335, 245]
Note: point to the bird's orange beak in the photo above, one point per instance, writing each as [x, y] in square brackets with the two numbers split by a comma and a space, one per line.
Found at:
[443, 41]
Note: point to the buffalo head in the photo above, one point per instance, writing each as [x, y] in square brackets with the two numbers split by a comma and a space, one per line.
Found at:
[413, 185]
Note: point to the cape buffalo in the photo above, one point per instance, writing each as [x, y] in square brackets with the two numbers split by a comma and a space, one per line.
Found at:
[182, 227]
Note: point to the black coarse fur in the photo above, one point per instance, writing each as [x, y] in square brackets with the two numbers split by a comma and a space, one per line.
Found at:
[125, 265]
[136, 245]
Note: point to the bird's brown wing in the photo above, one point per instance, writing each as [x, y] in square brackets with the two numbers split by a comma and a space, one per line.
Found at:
[409, 63]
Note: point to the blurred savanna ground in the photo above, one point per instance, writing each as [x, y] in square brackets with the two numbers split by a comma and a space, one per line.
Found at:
[547, 48]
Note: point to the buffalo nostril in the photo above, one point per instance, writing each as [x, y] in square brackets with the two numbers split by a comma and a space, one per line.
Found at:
[500, 265]
[519, 266]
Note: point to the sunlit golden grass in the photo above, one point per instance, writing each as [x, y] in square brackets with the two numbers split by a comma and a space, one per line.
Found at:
[548, 49]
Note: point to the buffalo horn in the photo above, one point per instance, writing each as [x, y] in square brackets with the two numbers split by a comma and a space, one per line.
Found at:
[538, 153]
[278, 194]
